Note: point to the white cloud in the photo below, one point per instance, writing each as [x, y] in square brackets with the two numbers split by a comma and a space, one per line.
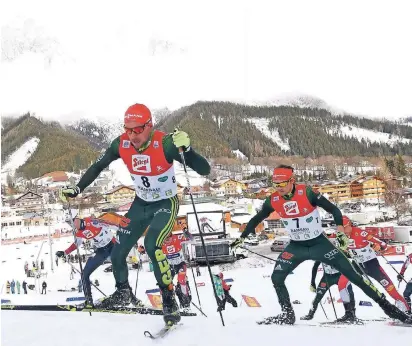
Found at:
[354, 55]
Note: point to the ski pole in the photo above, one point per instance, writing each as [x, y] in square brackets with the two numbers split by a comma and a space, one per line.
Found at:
[393, 268]
[97, 288]
[199, 309]
[258, 254]
[197, 291]
[78, 251]
[200, 232]
[321, 305]
[137, 276]
[330, 294]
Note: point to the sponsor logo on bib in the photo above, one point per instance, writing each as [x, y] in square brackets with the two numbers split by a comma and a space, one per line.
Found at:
[141, 163]
[291, 208]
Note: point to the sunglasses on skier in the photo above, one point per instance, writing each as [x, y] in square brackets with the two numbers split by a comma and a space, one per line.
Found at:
[137, 130]
[281, 184]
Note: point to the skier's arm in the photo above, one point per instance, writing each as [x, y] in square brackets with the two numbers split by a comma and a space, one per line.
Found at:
[370, 238]
[316, 199]
[314, 272]
[194, 160]
[406, 264]
[110, 155]
[258, 218]
[74, 246]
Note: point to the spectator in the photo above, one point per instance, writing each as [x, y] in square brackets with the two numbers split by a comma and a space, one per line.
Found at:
[198, 270]
[25, 287]
[41, 264]
[80, 286]
[44, 286]
[12, 286]
[18, 286]
[8, 287]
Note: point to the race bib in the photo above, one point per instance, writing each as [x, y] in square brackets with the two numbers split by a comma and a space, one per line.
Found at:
[363, 255]
[155, 187]
[304, 227]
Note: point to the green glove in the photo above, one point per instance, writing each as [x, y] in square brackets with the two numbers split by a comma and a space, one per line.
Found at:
[343, 241]
[238, 242]
[181, 139]
[70, 191]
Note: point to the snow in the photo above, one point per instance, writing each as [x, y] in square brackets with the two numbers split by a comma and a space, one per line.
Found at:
[19, 157]
[239, 154]
[251, 277]
[374, 136]
[262, 125]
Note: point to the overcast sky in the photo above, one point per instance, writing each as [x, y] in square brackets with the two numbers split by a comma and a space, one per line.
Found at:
[107, 55]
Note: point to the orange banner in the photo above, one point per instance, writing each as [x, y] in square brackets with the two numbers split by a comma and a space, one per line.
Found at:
[251, 301]
[155, 300]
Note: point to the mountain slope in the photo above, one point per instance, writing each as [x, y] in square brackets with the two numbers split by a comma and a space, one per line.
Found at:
[216, 128]
[58, 149]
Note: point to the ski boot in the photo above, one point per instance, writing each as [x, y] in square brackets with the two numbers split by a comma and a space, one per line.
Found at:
[286, 317]
[122, 297]
[392, 311]
[349, 316]
[171, 313]
[88, 304]
[309, 316]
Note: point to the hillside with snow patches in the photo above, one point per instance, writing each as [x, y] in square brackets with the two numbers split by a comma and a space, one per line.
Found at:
[18, 158]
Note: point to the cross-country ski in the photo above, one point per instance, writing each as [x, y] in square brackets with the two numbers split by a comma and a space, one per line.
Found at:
[205, 174]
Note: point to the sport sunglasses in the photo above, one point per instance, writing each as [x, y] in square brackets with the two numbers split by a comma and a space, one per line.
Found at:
[137, 130]
[281, 184]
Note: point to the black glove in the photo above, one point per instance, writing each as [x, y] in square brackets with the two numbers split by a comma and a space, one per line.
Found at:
[237, 242]
[399, 277]
[69, 191]
[60, 254]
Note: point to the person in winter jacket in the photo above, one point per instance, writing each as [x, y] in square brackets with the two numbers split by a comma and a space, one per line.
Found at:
[222, 290]
[44, 286]
[8, 287]
[228, 298]
[18, 286]
[12, 286]
[25, 287]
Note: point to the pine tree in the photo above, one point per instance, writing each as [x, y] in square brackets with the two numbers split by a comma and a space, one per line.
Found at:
[400, 166]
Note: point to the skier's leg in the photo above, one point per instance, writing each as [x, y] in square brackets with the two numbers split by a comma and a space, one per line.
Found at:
[408, 292]
[326, 252]
[163, 215]
[91, 265]
[348, 299]
[323, 286]
[182, 287]
[126, 239]
[374, 270]
[293, 255]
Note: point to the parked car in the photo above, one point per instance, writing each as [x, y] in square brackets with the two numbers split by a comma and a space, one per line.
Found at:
[252, 240]
[241, 253]
[280, 243]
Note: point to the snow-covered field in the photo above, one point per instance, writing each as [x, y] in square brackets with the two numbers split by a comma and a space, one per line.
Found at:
[251, 277]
